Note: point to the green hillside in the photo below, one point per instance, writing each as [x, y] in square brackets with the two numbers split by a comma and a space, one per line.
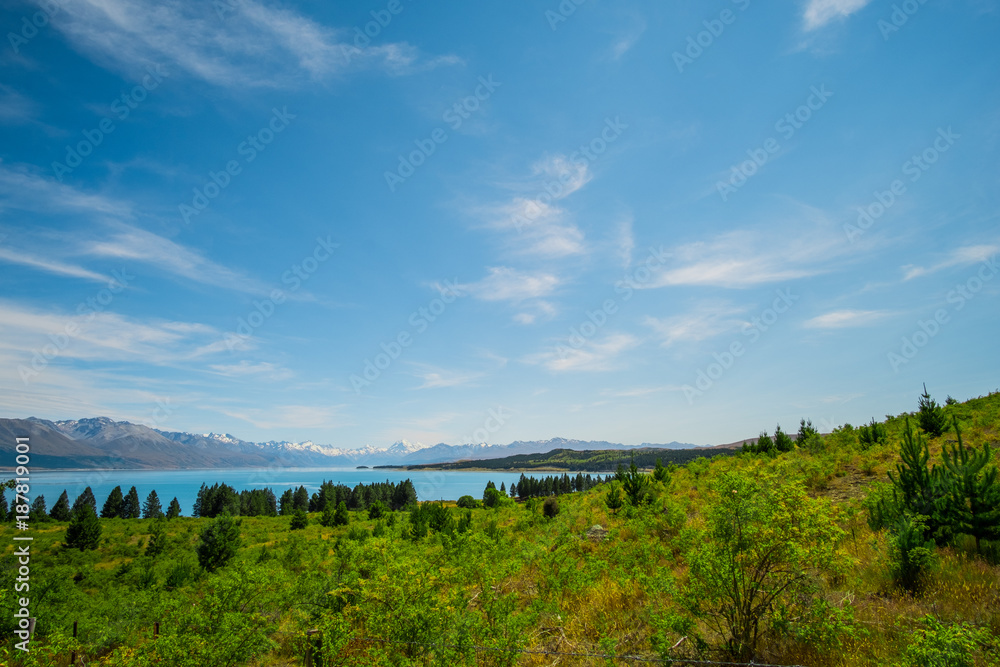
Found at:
[604, 460]
[789, 557]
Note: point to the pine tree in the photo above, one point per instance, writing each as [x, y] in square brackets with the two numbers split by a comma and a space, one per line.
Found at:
[157, 538]
[301, 499]
[340, 515]
[199, 501]
[84, 530]
[764, 444]
[972, 505]
[60, 511]
[85, 498]
[38, 512]
[174, 510]
[299, 519]
[921, 489]
[151, 508]
[503, 488]
[782, 442]
[3, 506]
[931, 416]
[219, 542]
[113, 505]
[131, 509]
[660, 473]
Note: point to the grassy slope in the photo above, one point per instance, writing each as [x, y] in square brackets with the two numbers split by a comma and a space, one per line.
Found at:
[516, 578]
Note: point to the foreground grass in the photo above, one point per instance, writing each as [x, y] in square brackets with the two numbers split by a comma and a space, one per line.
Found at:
[515, 580]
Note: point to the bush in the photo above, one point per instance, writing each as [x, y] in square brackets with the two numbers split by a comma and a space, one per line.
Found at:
[911, 556]
[299, 519]
[931, 416]
[468, 502]
[940, 645]
[550, 508]
[376, 510]
[219, 542]
[614, 499]
[872, 434]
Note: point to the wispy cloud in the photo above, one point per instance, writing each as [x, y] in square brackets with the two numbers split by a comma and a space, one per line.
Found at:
[593, 355]
[820, 12]
[137, 245]
[959, 257]
[22, 188]
[624, 42]
[705, 321]
[743, 259]
[842, 319]
[57, 267]
[507, 284]
[626, 240]
[101, 336]
[247, 44]
[249, 369]
[434, 377]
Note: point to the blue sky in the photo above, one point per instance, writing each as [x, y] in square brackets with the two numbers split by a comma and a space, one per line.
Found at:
[446, 222]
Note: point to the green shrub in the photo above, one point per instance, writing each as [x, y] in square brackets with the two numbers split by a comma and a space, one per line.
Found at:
[468, 502]
[911, 555]
[219, 542]
[299, 519]
[550, 508]
[946, 645]
[84, 530]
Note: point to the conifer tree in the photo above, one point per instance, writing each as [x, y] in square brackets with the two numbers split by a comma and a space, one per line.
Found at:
[972, 505]
[151, 508]
[113, 505]
[38, 511]
[782, 442]
[931, 415]
[84, 530]
[174, 510]
[3, 506]
[131, 509]
[85, 498]
[60, 511]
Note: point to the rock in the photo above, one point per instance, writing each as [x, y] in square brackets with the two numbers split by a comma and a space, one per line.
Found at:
[597, 533]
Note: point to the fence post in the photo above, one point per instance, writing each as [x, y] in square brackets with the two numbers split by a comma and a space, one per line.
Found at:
[309, 649]
[72, 658]
[156, 629]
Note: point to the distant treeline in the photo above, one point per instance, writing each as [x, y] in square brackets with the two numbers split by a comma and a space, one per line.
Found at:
[604, 460]
[529, 487]
[117, 506]
[218, 498]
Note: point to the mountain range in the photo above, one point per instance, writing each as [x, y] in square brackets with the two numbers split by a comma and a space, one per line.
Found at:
[100, 442]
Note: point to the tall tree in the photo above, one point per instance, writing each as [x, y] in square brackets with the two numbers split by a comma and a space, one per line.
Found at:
[973, 501]
[300, 500]
[919, 489]
[782, 442]
[85, 498]
[174, 510]
[3, 506]
[38, 511]
[287, 502]
[84, 530]
[60, 511]
[131, 509]
[113, 505]
[151, 508]
[931, 415]
[219, 542]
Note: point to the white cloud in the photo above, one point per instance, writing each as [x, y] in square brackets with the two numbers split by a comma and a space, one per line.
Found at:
[245, 44]
[57, 267]
[742, 259]
[434, 377]
[958, 257]
[841, 319]
[25, 190]
[593, 355]
[705, 321]
[820, 12]
[524, 318]
[247, 369]
[507, 284]
[137, 245]
[99, 336]
[624, 43]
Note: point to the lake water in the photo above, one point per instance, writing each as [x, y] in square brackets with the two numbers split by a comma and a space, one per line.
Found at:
[184, 484]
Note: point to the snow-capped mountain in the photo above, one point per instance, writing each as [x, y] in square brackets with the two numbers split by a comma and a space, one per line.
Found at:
[100, 442]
